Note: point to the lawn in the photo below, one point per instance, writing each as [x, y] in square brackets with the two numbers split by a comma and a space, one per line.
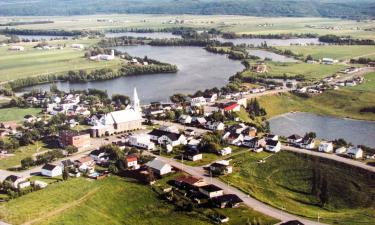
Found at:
[21, 153]
[346, 102]
[109, 201]
[17, 114]
[34, 62]
[285, 181]
[334, 51]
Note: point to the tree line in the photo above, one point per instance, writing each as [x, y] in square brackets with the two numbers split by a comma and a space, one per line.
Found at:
[345, 40]
[13, 31]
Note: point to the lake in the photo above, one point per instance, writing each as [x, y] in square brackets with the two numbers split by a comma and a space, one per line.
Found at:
[326, 127]
[275, 57]
[271, 42]
[153, 35]
[198, 70]
[42, 37]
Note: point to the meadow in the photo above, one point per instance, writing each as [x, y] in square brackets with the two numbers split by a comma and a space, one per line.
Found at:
[16, 114]
[288, 186]
[110, 201]
[334, 51]
[237, 24]
[34, 62]
[345, 102]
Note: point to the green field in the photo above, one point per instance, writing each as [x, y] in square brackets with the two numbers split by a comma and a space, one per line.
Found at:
[346, 102]
[9, 114]
[34, 62]
[238, 24]
[285, 181]
[334, 51]
[109, 201]
[309, 71]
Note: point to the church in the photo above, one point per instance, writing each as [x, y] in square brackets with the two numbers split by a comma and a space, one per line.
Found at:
[119, 121]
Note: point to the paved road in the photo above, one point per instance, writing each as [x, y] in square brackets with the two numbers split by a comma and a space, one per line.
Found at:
[249, 201]
[330, 156]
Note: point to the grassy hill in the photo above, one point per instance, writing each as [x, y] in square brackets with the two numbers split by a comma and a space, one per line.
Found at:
[286, 181]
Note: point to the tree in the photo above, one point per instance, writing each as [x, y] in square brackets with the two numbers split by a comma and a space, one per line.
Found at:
[70, 149]
[121, 99]
[113, 168]
[311, 134]
[65, 174]
[150, 175]
[27, 162]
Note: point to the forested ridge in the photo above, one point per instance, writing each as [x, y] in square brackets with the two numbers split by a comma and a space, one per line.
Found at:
[353, 9]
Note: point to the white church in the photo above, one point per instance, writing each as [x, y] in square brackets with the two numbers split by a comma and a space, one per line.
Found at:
[119, 121]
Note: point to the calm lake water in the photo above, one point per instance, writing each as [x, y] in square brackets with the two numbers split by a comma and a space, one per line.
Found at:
[42, 37]
[271, 42]
[328, 128]
[275, 57]
[145, 35]
[198, 70]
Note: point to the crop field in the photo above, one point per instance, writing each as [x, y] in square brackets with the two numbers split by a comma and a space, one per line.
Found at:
[346, 102]
[109, 201]
[34, 62]
[237, 24]
[334, 51]
[285, 181]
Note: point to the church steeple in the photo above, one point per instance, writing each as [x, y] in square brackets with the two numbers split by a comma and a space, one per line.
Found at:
[136, 102]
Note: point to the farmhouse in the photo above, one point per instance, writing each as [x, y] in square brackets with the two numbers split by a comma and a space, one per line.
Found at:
[159, 167]
[50, 170]
[120, 121]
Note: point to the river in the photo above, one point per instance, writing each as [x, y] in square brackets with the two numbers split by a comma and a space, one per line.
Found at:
[357, 132]
[43, 37]
[271, 42]
[270, 55]
[153, 35]
[198, 70]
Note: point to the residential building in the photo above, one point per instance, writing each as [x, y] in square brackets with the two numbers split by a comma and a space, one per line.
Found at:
[104, 56]
[227, 201]
[233, 138]
[307, 143]
[167, 138]
[225, 151]
[198, 101]
[230, 107]
[17, 182]
[193, 155]
[50, 170]
[272, 137]
[132, 162]
[325, 147]
[189, 181]
[259, 67]
[211, 191]
[355, 152]
[159, 167]
[215, 126]
[141, 141]
[86, 164]
[210, 97]
[273, 146]
[185, 119]
[221, 167]
[294, 139]
[74, 138]
[340, 150]
[98, 155]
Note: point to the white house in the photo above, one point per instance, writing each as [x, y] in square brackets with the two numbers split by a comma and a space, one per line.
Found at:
[272, 137]
[17, 182]
[104, 57]
[159, 167]
[132, 162]
[355, 152]
[167, 138]
[273, 146]
[211, 191]
[97, 155]
[225, 151]
[198, 101]
[193, 155]
[141, 141]
[40, 184]
[185, 119]
[325, 147]
[307, 143]
[327, 61]
[210, 97]
[340, 150]
[294, 139]
[50, 170]
[215, 126]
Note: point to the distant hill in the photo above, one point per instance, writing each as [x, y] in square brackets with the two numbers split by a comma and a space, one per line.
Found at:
[353, 9]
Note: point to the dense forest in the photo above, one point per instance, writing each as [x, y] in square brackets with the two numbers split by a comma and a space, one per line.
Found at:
[354, 9]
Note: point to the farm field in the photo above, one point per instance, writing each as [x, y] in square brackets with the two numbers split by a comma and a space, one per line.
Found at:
[237, 24]
[334, 51]
[109, 201]
[346, 102]
[34, 62]
[289, 186]
[17, 114]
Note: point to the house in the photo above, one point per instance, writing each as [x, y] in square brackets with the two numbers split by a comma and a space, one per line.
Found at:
[40, 184]
[327, 61]
[74, 138]
[250, 131]
[193, 155]
[189, 132]
[119, 121]
[272, 137]
[198, 101]
[215, 126]
[189, 182]
[254, 143]
[50, 170]
[132, 162]
[325, 147]
[227, 201]
[141, 141]
[29, 118]
[307, 143]
[211, 191]
[16, 48]
[86, 164]
[193, 144]
[340, 150]
[233, 138]
[221, 167]
[171, 129]
[273, 146]
[225, 151]
[66, 163]
[200, 121]
[98, 155]
[294, 139]
[104, 56]
[17, 182]
[210, 97]
[355, 152]
[167, 138]
[230, 107]
[159, 167]
[185, 119]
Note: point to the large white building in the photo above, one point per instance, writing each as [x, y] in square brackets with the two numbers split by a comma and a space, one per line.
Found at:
[104, 57]
[119, 121]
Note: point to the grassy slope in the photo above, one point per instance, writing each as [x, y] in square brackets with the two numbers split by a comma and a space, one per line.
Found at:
[334, 51]
[7, 114]
[33, 62]
[288, 185]
[345, 102]
[109, 201]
